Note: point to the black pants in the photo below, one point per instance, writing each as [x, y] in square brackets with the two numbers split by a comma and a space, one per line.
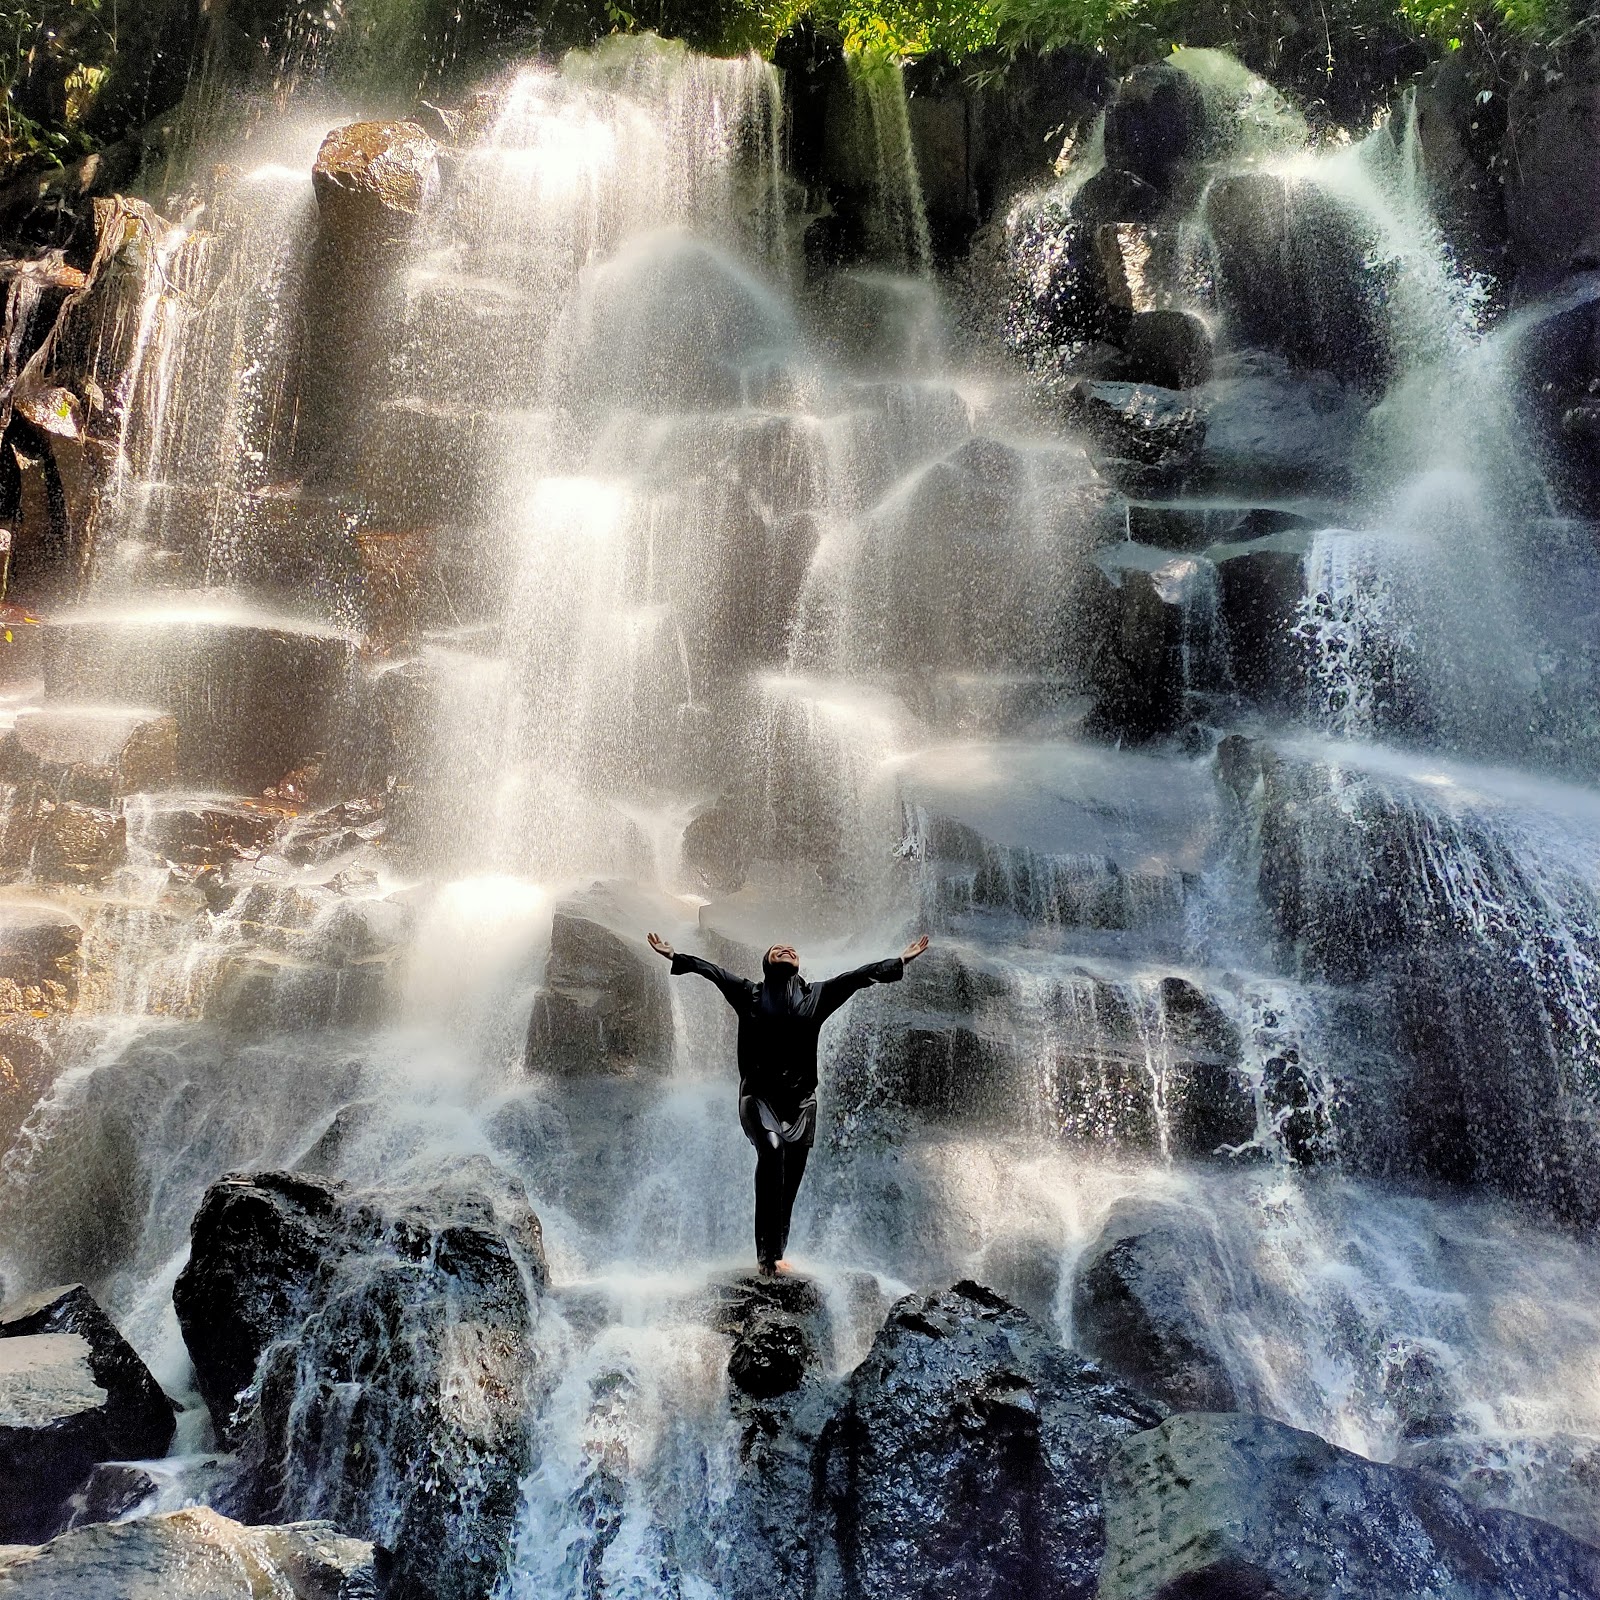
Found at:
[778, 1174]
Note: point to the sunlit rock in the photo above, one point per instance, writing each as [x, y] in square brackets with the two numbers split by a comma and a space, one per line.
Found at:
[384, 1338]
[39, 960]
[1138, 422]
[1243, 1502]
[195, 1554]
[72, 1393]
[374, 179]
[1138, 1306]
[966, 1455]
[77, 843]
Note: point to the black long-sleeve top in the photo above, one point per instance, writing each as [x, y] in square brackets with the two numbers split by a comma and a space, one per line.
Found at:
[780, 1023]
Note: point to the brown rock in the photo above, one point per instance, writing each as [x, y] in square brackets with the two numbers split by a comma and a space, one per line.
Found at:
[78, 843]
[38, 974]
[374, 179]
[94, 754]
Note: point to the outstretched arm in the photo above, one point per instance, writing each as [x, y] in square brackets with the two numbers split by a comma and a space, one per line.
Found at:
[833, 992]
[735, 990]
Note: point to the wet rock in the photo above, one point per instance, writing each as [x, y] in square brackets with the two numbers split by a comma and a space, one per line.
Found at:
[1268, 429]
[27, 1068]
[254, 695]
[1139, 1306]
[385, 1337]
[1138, 422]
[671, 324]
[197, 834]
[1552, 174]
[138, 1417]
[771, 1353]
[195, 1554]
[1240, 1505]
[39, 968]
[93, 755]
[1553, 1476]
[966, 1454]
[79, 844]
[374, 179]
[52, 1430]
[1260, 586]
[1167, 349]
[1417, 1386]
[604, 1006]
[1157, 122]
[1457, 137]
[112, 1490]
[1166, 645]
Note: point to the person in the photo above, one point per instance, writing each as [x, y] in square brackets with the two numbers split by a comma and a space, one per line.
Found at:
[780, 1021]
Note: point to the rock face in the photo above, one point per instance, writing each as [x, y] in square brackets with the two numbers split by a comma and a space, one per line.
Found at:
[374, 179]
[1553, 180]
[966, 1456]
[604, 1006]
[195, 1555]
[72, 1393]
[1237, 1505]
[1135, 1310]
[387, 1337]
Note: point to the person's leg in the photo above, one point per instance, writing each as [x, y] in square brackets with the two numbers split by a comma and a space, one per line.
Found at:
[794, 1169]
[769, 1185]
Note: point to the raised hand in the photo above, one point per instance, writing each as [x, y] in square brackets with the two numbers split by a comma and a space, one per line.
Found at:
[914, 949]
[662, 948]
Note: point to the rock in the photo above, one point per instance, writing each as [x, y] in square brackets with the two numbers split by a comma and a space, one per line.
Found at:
[196, 1554]
[604, 1006]
[195, 833]
[1138, 1305]
[1138, 422]
[112, 1490]
[1156, 123]
[1300, 273]
[1239, 1505]
[1553, 1476]
[373, 180]
[671, 323]
[1167, 644]
[771, 1353]
[966, 1454]
[254, 694]
[1268, 430]
[1260, 586]
[79, 844]
[1552, 173]
[93, 754]
[256, 1243]
[385, 1337]
[52, 1430]
[138, 1416]
[1167, 349]
[39, 965]
[27, 1063]
[1457, 136]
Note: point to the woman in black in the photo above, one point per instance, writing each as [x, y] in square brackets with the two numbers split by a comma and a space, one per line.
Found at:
[780, 1021]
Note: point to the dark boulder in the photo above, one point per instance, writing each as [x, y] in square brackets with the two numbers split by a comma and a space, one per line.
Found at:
[1166, 348]
[386, 1340]
[1139, 1305]
[195, 1553]
[1230, 1505]
[72, 1394]
[1157, 123]
[771, 1353]
[1300, 272]
[1138, 422]
[114, 1489]
[138, 1415]
[966, 1455]
[1552, 174]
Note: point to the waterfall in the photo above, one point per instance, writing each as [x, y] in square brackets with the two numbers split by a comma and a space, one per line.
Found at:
[469, 595]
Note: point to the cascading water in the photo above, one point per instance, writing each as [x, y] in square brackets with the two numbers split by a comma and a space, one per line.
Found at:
[547, 570]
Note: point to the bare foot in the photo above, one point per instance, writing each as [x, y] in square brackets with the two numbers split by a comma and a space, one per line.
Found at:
[781, 1266]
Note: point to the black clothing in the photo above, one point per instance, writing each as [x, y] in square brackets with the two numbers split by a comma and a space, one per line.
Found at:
[780, 1021]
[780, 1165]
